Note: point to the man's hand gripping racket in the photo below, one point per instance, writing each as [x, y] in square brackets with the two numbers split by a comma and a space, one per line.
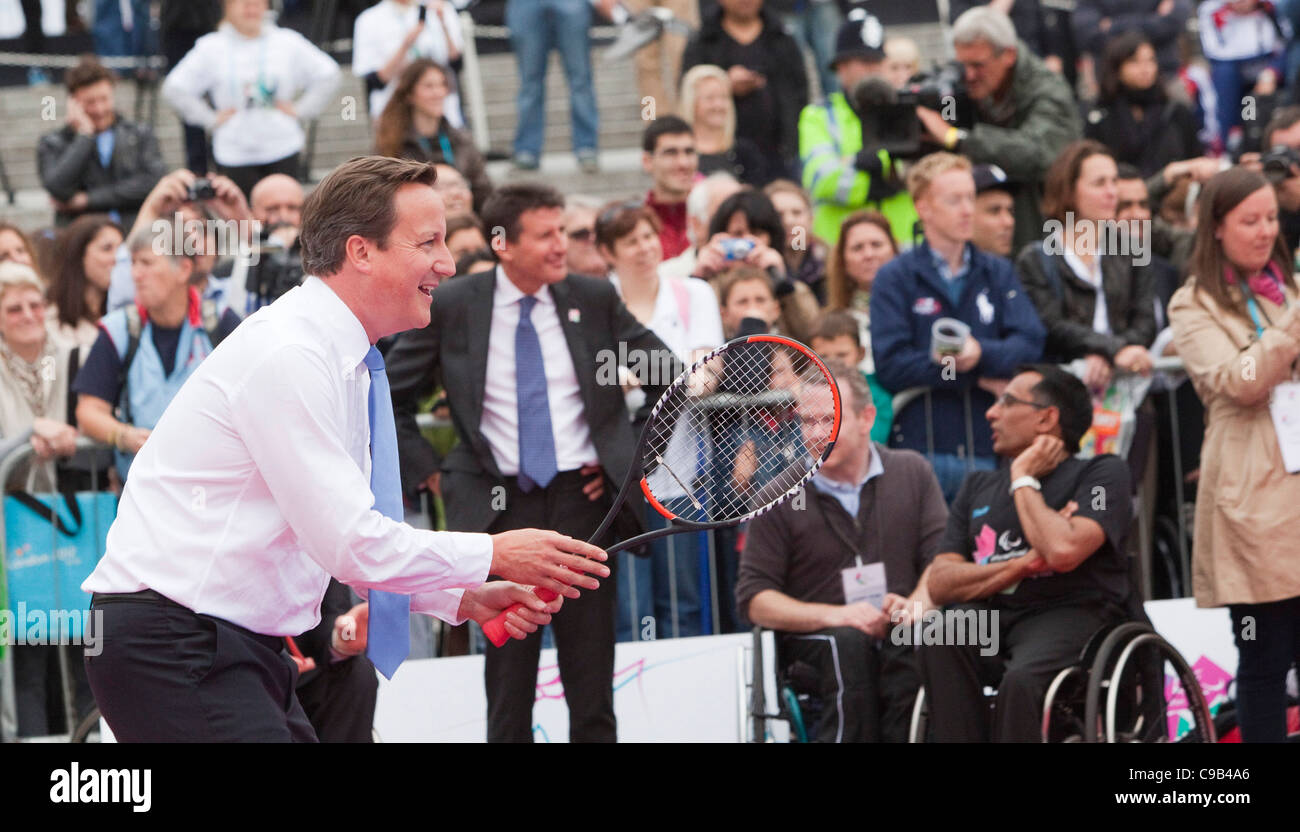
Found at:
[733, 437]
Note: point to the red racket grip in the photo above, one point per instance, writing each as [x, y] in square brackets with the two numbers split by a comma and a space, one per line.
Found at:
[495, 629]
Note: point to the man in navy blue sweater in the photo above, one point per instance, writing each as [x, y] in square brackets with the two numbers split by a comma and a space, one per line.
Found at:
[946, 276]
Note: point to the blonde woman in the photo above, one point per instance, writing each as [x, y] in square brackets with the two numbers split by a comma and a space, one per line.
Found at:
[707, 105]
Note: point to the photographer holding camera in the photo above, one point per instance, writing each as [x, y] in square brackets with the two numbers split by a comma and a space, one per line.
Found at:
[845, 167]
[1024, 114]
[1280, 164]
[185, 200]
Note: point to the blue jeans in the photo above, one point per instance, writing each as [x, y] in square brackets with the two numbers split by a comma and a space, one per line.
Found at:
[1232, 80]
[814, 25]
[951, 469]
[1290, 10]
[537, 27]
[109, 36]
[677, 569]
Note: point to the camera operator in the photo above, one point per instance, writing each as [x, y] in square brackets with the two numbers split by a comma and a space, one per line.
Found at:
[1024, 113]
[276, 205]
[845, 168]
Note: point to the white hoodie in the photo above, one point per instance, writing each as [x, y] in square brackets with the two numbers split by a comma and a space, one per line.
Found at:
[249, 75]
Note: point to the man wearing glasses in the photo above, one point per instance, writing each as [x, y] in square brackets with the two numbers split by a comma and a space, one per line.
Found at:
[580, 227]
[1037, 545]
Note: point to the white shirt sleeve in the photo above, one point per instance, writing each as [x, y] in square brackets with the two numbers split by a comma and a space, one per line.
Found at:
[316, 74]
[369, 54]
[186, 85]
[706, 319]
[323, 494]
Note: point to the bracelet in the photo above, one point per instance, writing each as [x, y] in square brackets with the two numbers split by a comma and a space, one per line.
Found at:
[115, 436]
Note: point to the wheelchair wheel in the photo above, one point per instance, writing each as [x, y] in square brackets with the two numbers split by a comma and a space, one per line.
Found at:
[920, 718]
[1135, 708]
[1099, 660]
[795, 713]
[87, 726]
[1064, 718]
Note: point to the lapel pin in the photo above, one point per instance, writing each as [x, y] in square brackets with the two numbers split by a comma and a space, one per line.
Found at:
[575, 316]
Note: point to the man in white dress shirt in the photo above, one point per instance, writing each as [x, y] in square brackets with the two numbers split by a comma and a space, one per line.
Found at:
[255, 487]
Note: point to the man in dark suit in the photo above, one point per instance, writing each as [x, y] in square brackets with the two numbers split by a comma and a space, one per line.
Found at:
[544, 439]
[98, 162]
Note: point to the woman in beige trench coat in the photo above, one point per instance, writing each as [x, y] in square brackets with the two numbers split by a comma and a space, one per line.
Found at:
[1236, 326]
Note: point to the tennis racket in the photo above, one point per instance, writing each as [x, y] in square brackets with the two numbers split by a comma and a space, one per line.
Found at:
[733, 437]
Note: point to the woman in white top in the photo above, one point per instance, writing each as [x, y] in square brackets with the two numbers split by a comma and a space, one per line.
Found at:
[1090, 289]
[262, 80]
[390, 34]
[683, 312]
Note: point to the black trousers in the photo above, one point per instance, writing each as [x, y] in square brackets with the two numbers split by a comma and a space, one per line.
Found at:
[1268, 643]
[247, 176]
[339, 700]
[166, 674]
[38, 686]
[1034, 645]
[583, 629]
[866, 688]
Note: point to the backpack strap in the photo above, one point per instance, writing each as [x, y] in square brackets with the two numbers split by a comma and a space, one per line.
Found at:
[683, 298]
[211, 321]
[133, 327]
[74, 364]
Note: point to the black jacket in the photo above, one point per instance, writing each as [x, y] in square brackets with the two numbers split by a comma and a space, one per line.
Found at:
[466, 158]
[1171, 137]
[69, 163]
[780, 60]
[1066, 304]
[452, 352]
[1130, 15]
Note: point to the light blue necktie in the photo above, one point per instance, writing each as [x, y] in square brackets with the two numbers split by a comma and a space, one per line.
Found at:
[388, 641]
[536, 439]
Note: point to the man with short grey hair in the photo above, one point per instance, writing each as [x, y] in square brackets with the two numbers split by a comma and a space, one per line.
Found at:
[828, 569]
[1025, 113]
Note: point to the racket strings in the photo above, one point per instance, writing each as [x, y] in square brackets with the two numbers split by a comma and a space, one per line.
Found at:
[728, 438]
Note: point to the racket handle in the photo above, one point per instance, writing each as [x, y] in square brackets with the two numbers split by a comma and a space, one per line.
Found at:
[495, 629]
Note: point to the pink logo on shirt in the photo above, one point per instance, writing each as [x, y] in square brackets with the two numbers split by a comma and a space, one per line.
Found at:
[985, 544]
[926, 306]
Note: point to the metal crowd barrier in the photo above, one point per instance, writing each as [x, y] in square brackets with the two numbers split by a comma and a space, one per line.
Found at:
[8, 691]
[1162, 364]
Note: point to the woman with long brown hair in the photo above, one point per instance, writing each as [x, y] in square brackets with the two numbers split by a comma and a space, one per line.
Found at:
[80, 275]
[414, 126]
[1236, 325]
[865, 244]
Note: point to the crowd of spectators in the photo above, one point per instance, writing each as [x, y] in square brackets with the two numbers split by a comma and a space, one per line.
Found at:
[1150, 217]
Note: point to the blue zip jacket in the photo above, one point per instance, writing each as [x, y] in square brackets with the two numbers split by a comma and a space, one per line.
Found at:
[907, 297]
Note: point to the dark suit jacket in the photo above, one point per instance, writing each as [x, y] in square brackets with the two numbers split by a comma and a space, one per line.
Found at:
[452, 352]
[69, 163]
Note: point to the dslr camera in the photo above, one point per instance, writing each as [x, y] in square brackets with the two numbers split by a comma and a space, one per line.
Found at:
[1280, 163]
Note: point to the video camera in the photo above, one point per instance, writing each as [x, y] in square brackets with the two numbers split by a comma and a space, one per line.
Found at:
[278, 270]
[888, 115]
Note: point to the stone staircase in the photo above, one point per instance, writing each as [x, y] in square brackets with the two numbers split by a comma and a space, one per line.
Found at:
[343, 131]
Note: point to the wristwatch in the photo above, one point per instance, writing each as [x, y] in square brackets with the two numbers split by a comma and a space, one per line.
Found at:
[1025, 482]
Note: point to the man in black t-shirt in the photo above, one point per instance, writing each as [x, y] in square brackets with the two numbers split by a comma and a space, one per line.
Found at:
[1038, 546]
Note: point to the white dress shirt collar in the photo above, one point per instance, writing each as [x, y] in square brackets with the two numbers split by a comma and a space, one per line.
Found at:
[506, 292]
[338, 321]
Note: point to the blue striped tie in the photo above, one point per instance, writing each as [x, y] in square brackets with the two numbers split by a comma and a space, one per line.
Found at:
[537, 465]
[388, 641]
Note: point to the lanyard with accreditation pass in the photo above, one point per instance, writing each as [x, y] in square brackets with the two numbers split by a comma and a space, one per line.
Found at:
[1284, 399]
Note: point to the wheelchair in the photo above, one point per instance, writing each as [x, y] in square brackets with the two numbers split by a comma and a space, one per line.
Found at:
[1125, 688]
